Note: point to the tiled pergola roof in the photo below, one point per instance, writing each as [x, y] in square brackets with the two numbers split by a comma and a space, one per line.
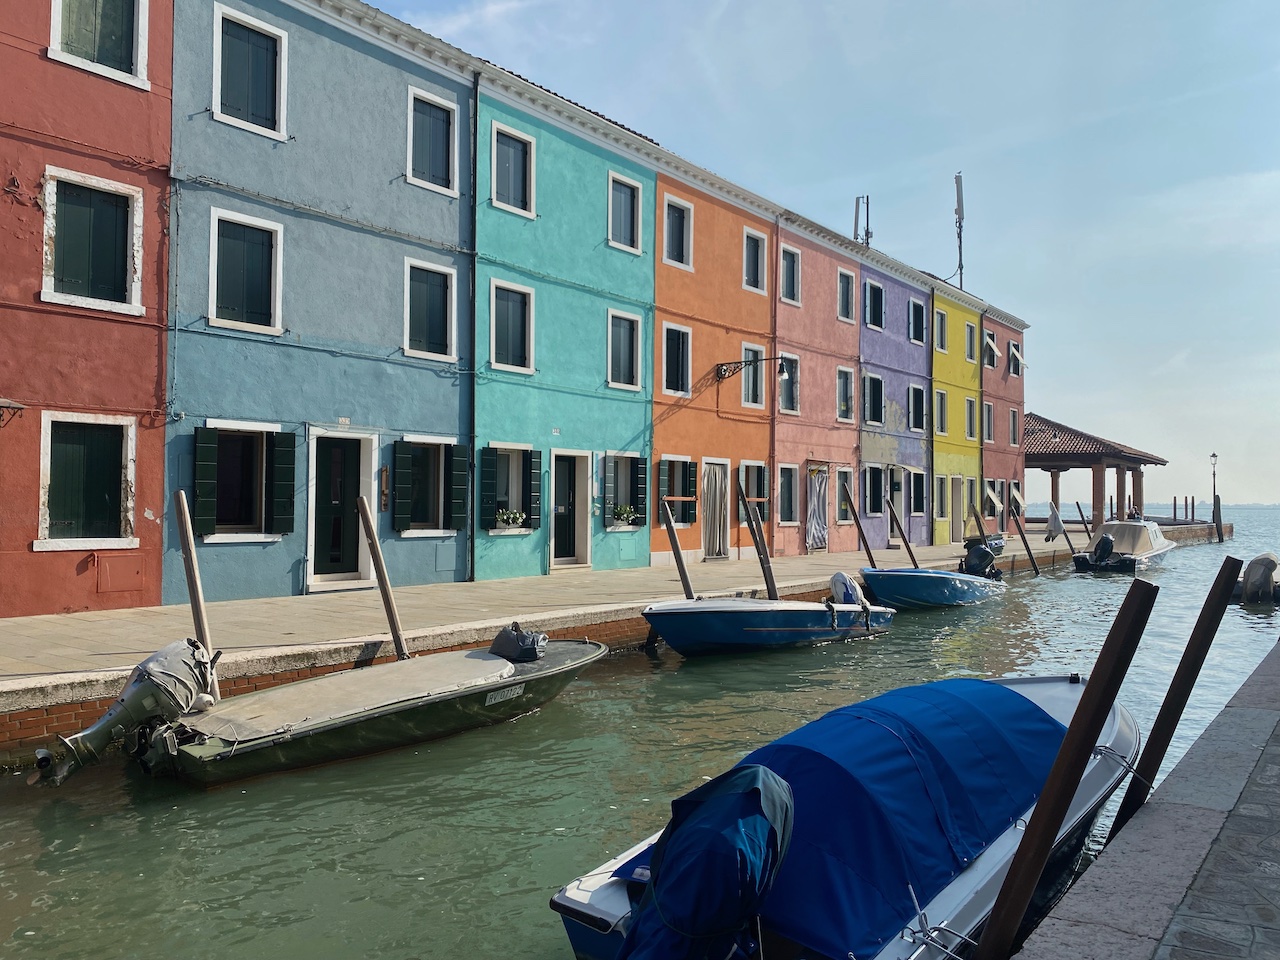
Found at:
[1049, 445]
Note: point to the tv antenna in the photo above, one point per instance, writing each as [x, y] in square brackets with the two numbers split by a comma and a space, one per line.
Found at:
[960, 227]
[858, 203]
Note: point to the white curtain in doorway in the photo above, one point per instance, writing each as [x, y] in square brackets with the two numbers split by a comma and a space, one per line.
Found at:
[815, 533]
[715, 525]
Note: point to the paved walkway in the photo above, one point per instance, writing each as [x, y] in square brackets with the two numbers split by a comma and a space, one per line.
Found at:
[1195, 875]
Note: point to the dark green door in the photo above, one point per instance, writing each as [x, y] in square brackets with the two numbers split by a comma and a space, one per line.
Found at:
[337, 524]
[566, 520]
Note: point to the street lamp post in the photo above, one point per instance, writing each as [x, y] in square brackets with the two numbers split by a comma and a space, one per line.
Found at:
[1217, 512]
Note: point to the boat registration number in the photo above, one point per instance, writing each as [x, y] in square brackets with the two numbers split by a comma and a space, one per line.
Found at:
[500, 695]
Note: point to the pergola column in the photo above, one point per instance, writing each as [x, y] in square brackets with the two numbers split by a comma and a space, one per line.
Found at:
[1055, 488]
[1099, 494]
[1121, 476]
[1139, 500]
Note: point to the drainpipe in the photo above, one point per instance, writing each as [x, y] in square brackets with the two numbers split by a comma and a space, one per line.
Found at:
[475, 350]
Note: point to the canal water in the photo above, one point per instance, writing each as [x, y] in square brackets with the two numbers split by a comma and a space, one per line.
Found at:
[452, 849]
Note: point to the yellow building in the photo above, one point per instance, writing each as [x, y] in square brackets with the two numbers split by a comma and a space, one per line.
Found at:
[957, 410]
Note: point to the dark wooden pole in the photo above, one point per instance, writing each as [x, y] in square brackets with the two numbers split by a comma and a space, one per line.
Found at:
[195, 588]
[1064, 779]
[893, 514]
[1175, 701]
[669, 522]
[384, 583]
[1017, 522]
[756, 530]
[1080, 510]
[862, 534]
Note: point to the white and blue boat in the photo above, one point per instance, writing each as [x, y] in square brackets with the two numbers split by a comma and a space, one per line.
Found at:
[741, 624]
[1123, 546]
[898, 823]
[917, 588]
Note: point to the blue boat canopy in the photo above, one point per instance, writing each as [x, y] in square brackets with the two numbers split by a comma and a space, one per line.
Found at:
[898, 794]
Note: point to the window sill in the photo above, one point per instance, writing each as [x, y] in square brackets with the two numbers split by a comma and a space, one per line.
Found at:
[425, 355]
[510, 531]
[633, 387]
[103, 71]
[875, 326]
[267, 132]
[688, 267]
[433, 187]
[788, 523]
[752, 406]
[760, 290]
[677, 393]
[215, 538]
[274, 331]
[623, 528]
[844, 523]
[790, 413]
[93, 303]
[426, 533]
[789, 302]
[846, 420]
[530, 214]
[526, 371]
[848, 320]
[88, 543]
[634, 251]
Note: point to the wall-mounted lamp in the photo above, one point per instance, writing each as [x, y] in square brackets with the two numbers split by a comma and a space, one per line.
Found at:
[10, 409]
[726, 370]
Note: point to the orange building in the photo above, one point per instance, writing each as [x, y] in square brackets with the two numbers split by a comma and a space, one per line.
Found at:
[716, 382]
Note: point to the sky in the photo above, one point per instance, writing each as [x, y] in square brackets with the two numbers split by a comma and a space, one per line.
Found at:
[1121, 167]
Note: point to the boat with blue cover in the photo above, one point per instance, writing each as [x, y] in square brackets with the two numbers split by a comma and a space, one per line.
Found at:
[911, 588]
[907, 810]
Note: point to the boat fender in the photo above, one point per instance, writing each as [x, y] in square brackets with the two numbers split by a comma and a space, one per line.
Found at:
[514, 644]
[1106, 545]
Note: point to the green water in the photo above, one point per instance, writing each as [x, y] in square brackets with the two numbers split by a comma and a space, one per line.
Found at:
[452, 849]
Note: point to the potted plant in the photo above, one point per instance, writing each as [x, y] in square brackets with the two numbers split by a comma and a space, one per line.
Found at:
[510, 518]
[626, 514]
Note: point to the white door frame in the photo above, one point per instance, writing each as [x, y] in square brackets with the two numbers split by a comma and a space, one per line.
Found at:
[364, 576]
[582, 508]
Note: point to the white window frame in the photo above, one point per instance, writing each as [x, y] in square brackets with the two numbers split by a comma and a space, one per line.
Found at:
[498, 127]
[133, 262]
[940, 331]
[43, 543]
[842, 273]
[970, 342]
[989, 340]
[494, 284]
[743, 466]
[866, 303]
[783, 250]
[909, 480]
[917, 398]
[795, 494]
[866, 489]
[912, 302]
[1014, 425]
[260, 536]
[141, 28]
[971, 418]
[639, 206]
[940, 412]
[853, 395]
[844, 475]
[668, 200]
[988, 422]
[1015, 353]
[783, 358]
[452, 356]
[762, 266]
[515, 485]
[671, 458]
[216, 216]
[428, 440]
[417, 93]
[688, 372]
[608, 372]
[220, 13]
[759, 364]
[866, 393]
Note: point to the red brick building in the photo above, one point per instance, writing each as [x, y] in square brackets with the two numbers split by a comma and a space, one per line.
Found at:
[1003, 408]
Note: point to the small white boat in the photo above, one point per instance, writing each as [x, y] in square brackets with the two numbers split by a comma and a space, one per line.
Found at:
[1123, 546]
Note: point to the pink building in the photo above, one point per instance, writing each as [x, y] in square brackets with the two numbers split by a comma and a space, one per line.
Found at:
[1003, 406]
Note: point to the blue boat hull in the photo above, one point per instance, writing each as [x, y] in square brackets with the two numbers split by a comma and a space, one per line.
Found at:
[734, 625]
[912, 589]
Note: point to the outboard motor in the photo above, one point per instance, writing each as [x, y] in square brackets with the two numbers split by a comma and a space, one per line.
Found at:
[169, 683]
[845, 590]
[979, 561]
[516, 645]
[1258, 583]
[1105, 547]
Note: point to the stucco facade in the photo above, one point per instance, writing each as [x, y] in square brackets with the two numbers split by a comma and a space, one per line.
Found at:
[1003, 461]
[322, 330]
[957, 384]
[85, 141]
[564, 324]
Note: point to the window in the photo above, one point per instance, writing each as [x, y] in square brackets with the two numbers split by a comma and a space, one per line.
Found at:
[430, 486]
[940, 499]
[433, 142]
[919, 487]
[755, 483]
[626, 481]
[989, 349]
[788, 493]
[872, 399]
[753, 376]
[970, 342]
[514, 171]
[510, 479]
[92, 243]
[624, 350]
[1016, 363]
[624, 213]
[873, 304]
[970, 418]
[844, 490]
[1013, 428]
[250, 70]
[940, 331]
[244, 480]
[429, 327]
[676, 361]
[993, 500]
[873, 491]
[844, 394]
[940, 411]
[789, 384]
[678, 247]
[679, 478]
[106, 37]
[244, 286]
[915, 321]
[753, 251]
[1017, 503]
[988, 423]
[790, 275]
[844, 296]
[511, 332]
[87, 464]
[916, 408]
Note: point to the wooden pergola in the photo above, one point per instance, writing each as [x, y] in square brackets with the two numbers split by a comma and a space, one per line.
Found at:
[1056, 448]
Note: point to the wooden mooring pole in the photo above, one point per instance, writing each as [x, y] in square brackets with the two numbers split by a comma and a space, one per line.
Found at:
[906, 541]
[195, 588]
[669, 522]
[757, 538]
[1017, 522]
[862, 534]
[384, 584]
[1080, 510]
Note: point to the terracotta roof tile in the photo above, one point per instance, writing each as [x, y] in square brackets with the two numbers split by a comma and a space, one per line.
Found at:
[1049, 439]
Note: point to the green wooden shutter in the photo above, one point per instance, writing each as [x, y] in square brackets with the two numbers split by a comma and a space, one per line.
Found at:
[690, 507]
[640, 488]
[488, 488]
[281, 463]
[459, 462]
[204, 511]
[533, 488]
[610, 490]
[664, 473]
[739, 508]
[402, 507]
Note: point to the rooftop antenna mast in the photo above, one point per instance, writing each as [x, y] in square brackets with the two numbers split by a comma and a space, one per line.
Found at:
[960, 227]
[858, 203]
